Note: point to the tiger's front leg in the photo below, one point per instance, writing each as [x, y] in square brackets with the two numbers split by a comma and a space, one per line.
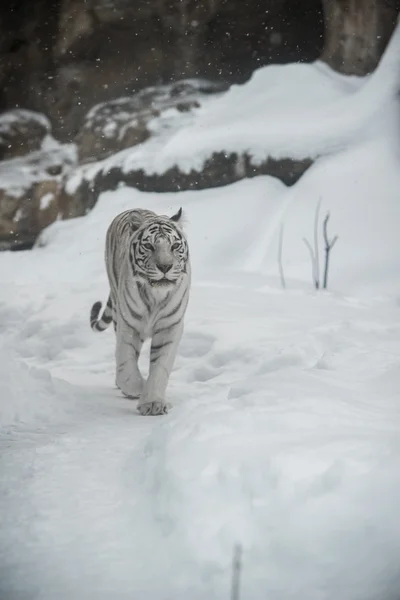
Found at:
[164, 346]
[129, 344]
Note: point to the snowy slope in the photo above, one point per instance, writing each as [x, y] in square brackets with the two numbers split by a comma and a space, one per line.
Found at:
[284, 435]
[238, 226]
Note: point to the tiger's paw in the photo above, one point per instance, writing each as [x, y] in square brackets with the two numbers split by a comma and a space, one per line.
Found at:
[131, 389]
[131, 396]
[153, 408]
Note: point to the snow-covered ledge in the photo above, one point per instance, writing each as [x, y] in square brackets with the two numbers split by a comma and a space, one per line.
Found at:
[278, 123]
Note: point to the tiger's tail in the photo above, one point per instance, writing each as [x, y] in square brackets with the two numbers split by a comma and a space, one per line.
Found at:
[101, 324]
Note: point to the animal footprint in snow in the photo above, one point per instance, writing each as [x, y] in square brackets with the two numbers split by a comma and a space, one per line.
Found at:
[203, 374]
[196, 344]
[225, 358]
[280, 362]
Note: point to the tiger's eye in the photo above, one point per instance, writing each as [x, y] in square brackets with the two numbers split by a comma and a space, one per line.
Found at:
[175, 246]
[148, 246]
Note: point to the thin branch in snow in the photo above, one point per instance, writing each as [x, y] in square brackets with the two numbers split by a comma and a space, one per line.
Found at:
[316, 249]
[313, 263]
[280, 247]
[236, 572]
[328, 247]
[314, 253]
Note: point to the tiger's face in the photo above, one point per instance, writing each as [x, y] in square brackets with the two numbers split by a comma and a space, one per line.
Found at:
[161, 251]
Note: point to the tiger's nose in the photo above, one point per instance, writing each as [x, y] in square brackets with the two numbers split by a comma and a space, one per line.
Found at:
[164, 267]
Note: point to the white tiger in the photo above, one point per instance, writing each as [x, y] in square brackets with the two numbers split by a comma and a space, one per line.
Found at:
[148, 268]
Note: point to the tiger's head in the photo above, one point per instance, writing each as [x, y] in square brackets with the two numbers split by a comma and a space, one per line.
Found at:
[160, 250]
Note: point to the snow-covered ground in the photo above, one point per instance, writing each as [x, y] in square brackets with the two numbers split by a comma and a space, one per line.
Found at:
[285, 431]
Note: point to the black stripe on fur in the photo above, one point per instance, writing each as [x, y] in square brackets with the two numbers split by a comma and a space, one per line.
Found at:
[94, 313]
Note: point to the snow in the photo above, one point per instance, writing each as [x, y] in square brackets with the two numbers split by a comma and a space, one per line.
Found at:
[46, 200]
[17, 175]
[284, 433]
[18, 116]
[160, 110]
[17, 381]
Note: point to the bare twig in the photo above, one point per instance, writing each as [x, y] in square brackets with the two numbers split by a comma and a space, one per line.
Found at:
[280, 247]
[236, 572]
[313, 263]
[316, 249]
[328, 247]
[314, 253]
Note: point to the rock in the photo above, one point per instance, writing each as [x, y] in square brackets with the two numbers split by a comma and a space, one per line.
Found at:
[220, 169]
[357, 33]
[21, 131]
[113, 126]
[46, 197]
[32, 194]
[35, 209]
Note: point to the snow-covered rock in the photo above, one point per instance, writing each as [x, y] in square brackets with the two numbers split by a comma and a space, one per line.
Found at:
[22, 131]
[31, 193]
[278, 123]
[126, 122]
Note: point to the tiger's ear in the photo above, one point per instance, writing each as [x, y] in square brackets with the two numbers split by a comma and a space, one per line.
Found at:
[177, 216]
